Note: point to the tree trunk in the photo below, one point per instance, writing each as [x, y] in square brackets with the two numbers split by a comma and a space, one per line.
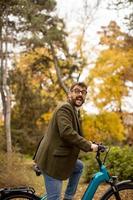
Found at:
[7, 103]
[5, 92]
[61, 83]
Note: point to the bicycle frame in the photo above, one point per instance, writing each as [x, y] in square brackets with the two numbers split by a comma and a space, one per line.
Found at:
[97, 179]
[44, 197]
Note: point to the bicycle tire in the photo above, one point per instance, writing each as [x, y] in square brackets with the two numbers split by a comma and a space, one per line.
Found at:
[20, 195]
[125, 191]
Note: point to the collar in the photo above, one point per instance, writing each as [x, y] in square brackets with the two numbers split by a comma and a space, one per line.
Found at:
[77, 108]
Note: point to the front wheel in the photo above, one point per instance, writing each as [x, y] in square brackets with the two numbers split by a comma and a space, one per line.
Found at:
[124, 192]
[19, 195]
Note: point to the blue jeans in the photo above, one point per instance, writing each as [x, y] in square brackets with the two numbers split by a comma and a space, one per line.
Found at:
[54, 186]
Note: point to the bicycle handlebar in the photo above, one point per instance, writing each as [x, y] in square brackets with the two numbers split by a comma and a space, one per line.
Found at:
[101, 149]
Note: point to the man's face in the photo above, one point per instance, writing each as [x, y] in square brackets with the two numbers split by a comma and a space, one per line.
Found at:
[77, 95]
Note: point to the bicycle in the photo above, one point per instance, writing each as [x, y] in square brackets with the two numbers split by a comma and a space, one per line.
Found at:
[117, 191]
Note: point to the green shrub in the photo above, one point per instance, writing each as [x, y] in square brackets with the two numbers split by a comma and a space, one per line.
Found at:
[119, 163]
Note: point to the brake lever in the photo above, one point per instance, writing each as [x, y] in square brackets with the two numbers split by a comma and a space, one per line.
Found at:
[106, 154]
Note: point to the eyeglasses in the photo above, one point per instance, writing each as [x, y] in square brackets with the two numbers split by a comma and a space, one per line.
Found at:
[78, 91]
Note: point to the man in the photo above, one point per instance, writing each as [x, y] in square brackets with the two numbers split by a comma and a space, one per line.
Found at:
[57, 155]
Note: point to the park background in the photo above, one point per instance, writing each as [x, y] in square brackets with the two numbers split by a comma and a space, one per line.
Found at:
[44, 47]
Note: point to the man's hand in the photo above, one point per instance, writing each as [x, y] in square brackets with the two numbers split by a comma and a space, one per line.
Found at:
[94, 147]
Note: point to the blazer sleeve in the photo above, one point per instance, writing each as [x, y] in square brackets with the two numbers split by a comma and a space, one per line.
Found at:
[67, 132]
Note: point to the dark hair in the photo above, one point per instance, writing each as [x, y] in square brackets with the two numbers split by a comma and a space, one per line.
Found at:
[81, 84]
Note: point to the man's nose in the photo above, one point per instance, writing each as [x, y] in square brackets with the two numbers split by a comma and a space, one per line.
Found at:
[81, 93]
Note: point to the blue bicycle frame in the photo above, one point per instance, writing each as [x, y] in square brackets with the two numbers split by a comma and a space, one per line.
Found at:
[44, 197]
[97, 179]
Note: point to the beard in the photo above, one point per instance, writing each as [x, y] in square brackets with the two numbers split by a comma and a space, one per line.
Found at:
[78, 101]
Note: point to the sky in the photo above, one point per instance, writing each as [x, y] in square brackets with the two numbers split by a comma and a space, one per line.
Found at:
[71, 12]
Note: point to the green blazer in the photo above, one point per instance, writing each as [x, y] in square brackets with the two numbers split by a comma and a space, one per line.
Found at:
[59, 149]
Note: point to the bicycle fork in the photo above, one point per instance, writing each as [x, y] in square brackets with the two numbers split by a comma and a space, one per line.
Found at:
[114, 185]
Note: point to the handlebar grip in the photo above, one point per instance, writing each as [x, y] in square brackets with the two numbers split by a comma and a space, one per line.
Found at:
[101, 148]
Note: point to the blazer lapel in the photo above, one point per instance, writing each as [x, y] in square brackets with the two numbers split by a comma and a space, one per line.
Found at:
[76, 117]
[78, 121]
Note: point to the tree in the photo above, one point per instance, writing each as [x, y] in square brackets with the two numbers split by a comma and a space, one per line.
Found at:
[35, 89]
[122, 5]
[36, 92]
[112, 72]
[25, 18]
[83, 15]
[106, 127]
[5, 39]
